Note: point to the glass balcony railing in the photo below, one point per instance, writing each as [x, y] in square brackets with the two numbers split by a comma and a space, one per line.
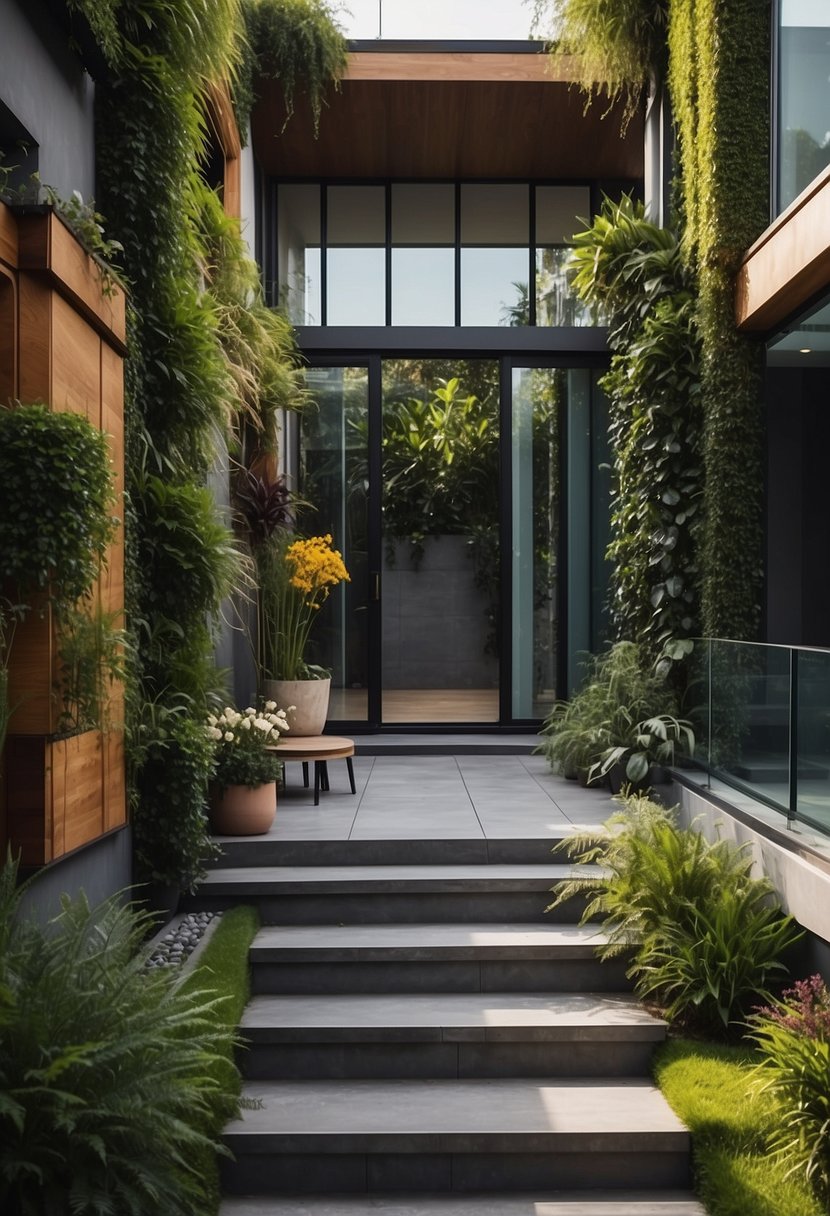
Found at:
[762, 724]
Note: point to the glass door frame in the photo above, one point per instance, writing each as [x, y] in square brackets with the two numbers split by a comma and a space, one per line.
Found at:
[507, 361]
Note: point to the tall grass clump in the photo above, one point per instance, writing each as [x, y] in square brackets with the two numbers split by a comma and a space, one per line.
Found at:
[705, 937]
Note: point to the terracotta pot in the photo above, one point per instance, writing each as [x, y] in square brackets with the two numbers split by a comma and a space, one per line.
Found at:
[310, 699]
[243, 810]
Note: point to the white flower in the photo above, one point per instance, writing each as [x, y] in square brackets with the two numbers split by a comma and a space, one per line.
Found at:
[211, 719]
[250, 710]
[228, 712]
[214, 733]
[263, 725]
[228, 736]
[245, 723]
[271, 705]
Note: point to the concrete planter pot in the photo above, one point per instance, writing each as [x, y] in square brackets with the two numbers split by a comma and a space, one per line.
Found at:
[310, 699]
[243, 810]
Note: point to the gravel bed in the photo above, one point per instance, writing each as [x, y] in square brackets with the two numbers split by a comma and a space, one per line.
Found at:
[181, 940]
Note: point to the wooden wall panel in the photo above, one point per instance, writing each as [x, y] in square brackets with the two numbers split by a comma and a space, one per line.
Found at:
[34, 356]
[115, 787]
[8, 336]
[76, 363]
[82, 805]
[32, 675]
[8, 236]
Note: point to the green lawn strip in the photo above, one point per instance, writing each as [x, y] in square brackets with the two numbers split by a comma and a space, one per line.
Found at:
[223, 969]
[710, 1088]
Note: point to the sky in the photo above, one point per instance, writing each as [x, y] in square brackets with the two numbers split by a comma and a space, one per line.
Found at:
[441, 19]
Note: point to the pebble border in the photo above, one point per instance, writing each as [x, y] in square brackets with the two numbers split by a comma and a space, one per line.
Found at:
[178, 940]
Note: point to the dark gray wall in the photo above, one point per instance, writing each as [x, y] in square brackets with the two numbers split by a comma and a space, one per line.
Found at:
[798, 506]
[99, 870]
[47, 91]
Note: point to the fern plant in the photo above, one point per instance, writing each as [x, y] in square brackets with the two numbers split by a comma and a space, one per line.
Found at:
[108, 1086]
[704, 935]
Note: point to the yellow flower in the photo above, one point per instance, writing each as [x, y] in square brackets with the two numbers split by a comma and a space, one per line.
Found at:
[315, 566]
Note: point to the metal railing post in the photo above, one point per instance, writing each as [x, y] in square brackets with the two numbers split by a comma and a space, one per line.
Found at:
[792, 806]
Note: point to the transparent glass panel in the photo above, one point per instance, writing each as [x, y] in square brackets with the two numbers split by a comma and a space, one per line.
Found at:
[537, 402]
[423, 214]
[556, 303]
[440, 589]
[494, 287]
[813, 734]
[804, 95]
[334, 477]
[560, 212]
[750, 710]
[298, 252]
[423, 286]
[356, 255]
[495, 215]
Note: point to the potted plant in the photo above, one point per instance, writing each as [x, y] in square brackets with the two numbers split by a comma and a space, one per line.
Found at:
[652, 743]
[244, 790]
[296, 576]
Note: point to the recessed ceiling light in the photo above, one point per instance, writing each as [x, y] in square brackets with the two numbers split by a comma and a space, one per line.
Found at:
[805, 350]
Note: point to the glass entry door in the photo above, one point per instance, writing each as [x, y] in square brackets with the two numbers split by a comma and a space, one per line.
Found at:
[468, 499]
[440, 564]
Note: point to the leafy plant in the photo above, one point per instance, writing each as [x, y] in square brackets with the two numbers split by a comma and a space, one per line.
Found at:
[107, 1070]
[295, 578]
[635, 272]
[619, 691]
[91, 656]
[705, 937]
[56, 502]
[173, 760]
[652, 741]
[240, 740]
[296, 42]
[265, 503]
[793, 1036]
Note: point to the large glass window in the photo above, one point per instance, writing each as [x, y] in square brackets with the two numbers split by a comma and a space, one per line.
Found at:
[423, 254]
[430, 253]
[804, 95]
[356, 255]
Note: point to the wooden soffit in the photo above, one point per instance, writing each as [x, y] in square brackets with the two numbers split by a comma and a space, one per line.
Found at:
[789, 264]
[432, 114]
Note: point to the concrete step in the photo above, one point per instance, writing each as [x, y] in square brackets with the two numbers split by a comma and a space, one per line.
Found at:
[601, 1203]
[483, 1135]
[427, 958]
[318, 895]
[447, 1035]
[275, 850]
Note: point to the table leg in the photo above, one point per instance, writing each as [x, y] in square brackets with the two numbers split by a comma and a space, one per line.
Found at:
[305, 774]
[316, 782]
[350, 767]
[324, 775]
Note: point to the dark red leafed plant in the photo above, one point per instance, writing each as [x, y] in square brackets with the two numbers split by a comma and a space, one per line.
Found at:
[265, 504]
[804, 1008]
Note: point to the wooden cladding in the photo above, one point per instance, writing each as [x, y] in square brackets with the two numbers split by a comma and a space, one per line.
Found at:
[222, 121]
[789, 264]
[62, 341]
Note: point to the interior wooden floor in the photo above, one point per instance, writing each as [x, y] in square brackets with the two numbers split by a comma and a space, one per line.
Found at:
[423, 705]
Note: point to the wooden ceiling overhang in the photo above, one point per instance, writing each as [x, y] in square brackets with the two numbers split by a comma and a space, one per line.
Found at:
[424, 114]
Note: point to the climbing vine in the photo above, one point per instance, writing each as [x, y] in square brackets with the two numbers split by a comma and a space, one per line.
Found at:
[635, 272]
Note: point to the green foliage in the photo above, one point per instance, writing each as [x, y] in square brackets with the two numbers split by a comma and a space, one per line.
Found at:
[440, 464]
[173, 759]
[619, 692]
[56, 502]
[90, 651]
[296, 42]
[108, 1081]
[652, 741]
[794, 1040]
[706, 937]
[634, 272]
[241, 739]
[621, 43]
[707, 1085]
[719, 59]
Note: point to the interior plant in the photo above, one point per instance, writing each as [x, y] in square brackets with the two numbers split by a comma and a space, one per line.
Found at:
[246, 767]
[705, 938]
[793, 1036]
[111, 1074]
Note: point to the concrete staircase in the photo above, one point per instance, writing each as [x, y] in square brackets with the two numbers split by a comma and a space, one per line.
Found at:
[425, 1041]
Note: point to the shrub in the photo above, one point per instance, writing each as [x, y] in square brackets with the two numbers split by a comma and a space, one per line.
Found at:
[170, 827]
[705, 936]
[107, 1070]
[794, 1039]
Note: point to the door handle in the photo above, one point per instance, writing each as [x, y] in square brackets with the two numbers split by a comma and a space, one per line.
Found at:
[375, 584]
